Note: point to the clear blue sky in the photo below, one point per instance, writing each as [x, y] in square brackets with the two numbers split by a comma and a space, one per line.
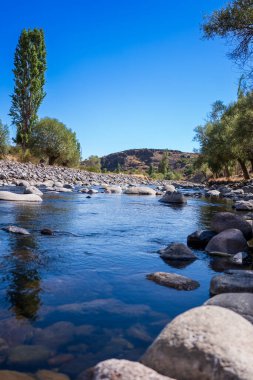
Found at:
[122, 73]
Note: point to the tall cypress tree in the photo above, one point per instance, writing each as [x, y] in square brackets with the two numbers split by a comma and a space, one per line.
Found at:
[29, 72]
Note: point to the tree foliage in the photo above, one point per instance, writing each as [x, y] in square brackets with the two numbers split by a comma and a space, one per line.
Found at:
[227, 137]
[52, 140]
[29, 72]
[92, 164]
[235, 21]
[4, 138]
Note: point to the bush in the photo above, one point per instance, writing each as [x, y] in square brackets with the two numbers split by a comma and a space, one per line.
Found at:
[4, 139]
[53, 141]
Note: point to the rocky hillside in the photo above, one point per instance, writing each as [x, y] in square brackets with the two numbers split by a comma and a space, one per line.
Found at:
[142, 159]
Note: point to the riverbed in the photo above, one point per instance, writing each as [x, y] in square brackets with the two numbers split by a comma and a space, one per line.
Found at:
[82, 293]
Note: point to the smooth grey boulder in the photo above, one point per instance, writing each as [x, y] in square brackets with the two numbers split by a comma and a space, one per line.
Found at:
[207, 343]
[15, 230]
[8, 196]
[240, 303]
[244, 205]
[170, 188]
[200, 239]
[226, 220]
[229, 241]
[139, 190]
[33, 190]
[115, 369]
[177, 251]
[232, 281]
[173, 197]
[173, 280]
[113, 189]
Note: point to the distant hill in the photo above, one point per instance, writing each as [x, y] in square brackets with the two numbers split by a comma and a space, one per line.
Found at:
[142, 159]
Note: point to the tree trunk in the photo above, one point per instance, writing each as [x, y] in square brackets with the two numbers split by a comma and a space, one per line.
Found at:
[244, 169]
[52, 160]
[251, 162]
[226, 172]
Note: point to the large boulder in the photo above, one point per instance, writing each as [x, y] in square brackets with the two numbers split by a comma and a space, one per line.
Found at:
[207, 343]
[229, 241]
[240, 303]
[8, 196]
[212, 193]
[177, 251]
[173, 197]
[138, 190]
[232, 281]
[15, 230]
[115, 369]
[226, 220]
[200, 239]
[173, 280]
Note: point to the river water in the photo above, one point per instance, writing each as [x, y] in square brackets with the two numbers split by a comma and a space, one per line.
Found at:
[81, 295]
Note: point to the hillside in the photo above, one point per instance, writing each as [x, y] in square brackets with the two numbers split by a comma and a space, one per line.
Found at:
[142, 159]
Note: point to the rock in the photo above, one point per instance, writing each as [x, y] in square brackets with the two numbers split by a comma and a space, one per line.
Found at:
[212, 193]
[113, 189]
[26, 355]
[139, 191]
[244, 205]
[232, 282]
[173, 197]
[173, 280]
[227, 220]
[60, 359]
[50, 375]
[56, 335]
[33, 190]
[23, 183]
[177, 251]
[46, 231]
[16, 230]
[8, 196]
[241, 258]
[115, 369]
[200, 239]
[13, 375]
[92, 191]
[62, 189]
[169, 188]
[207, 343]
[229, 241]
[240, 303]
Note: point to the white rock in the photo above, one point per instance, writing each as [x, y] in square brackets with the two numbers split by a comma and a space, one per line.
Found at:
[8, 196]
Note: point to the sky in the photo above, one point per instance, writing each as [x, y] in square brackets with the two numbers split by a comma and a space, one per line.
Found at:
[122, 74]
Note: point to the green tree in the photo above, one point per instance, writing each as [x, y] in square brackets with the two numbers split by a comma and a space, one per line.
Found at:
[235, 23]
[163, 166]
[52, 140]
[29, 73]
[151, 170]
[92, 164]
[4, 138]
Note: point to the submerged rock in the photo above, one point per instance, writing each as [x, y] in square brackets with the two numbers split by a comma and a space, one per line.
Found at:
[50, 375]
[8, 196]
[46, 231]
[227, 220]
[16, 230]
[244, 205]
[173, 280]
[232, 281]
[201, 344]
[177, 251]
[229, 241]
[240, 303]
[115, 369]
[28, 355]
[13, 375]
